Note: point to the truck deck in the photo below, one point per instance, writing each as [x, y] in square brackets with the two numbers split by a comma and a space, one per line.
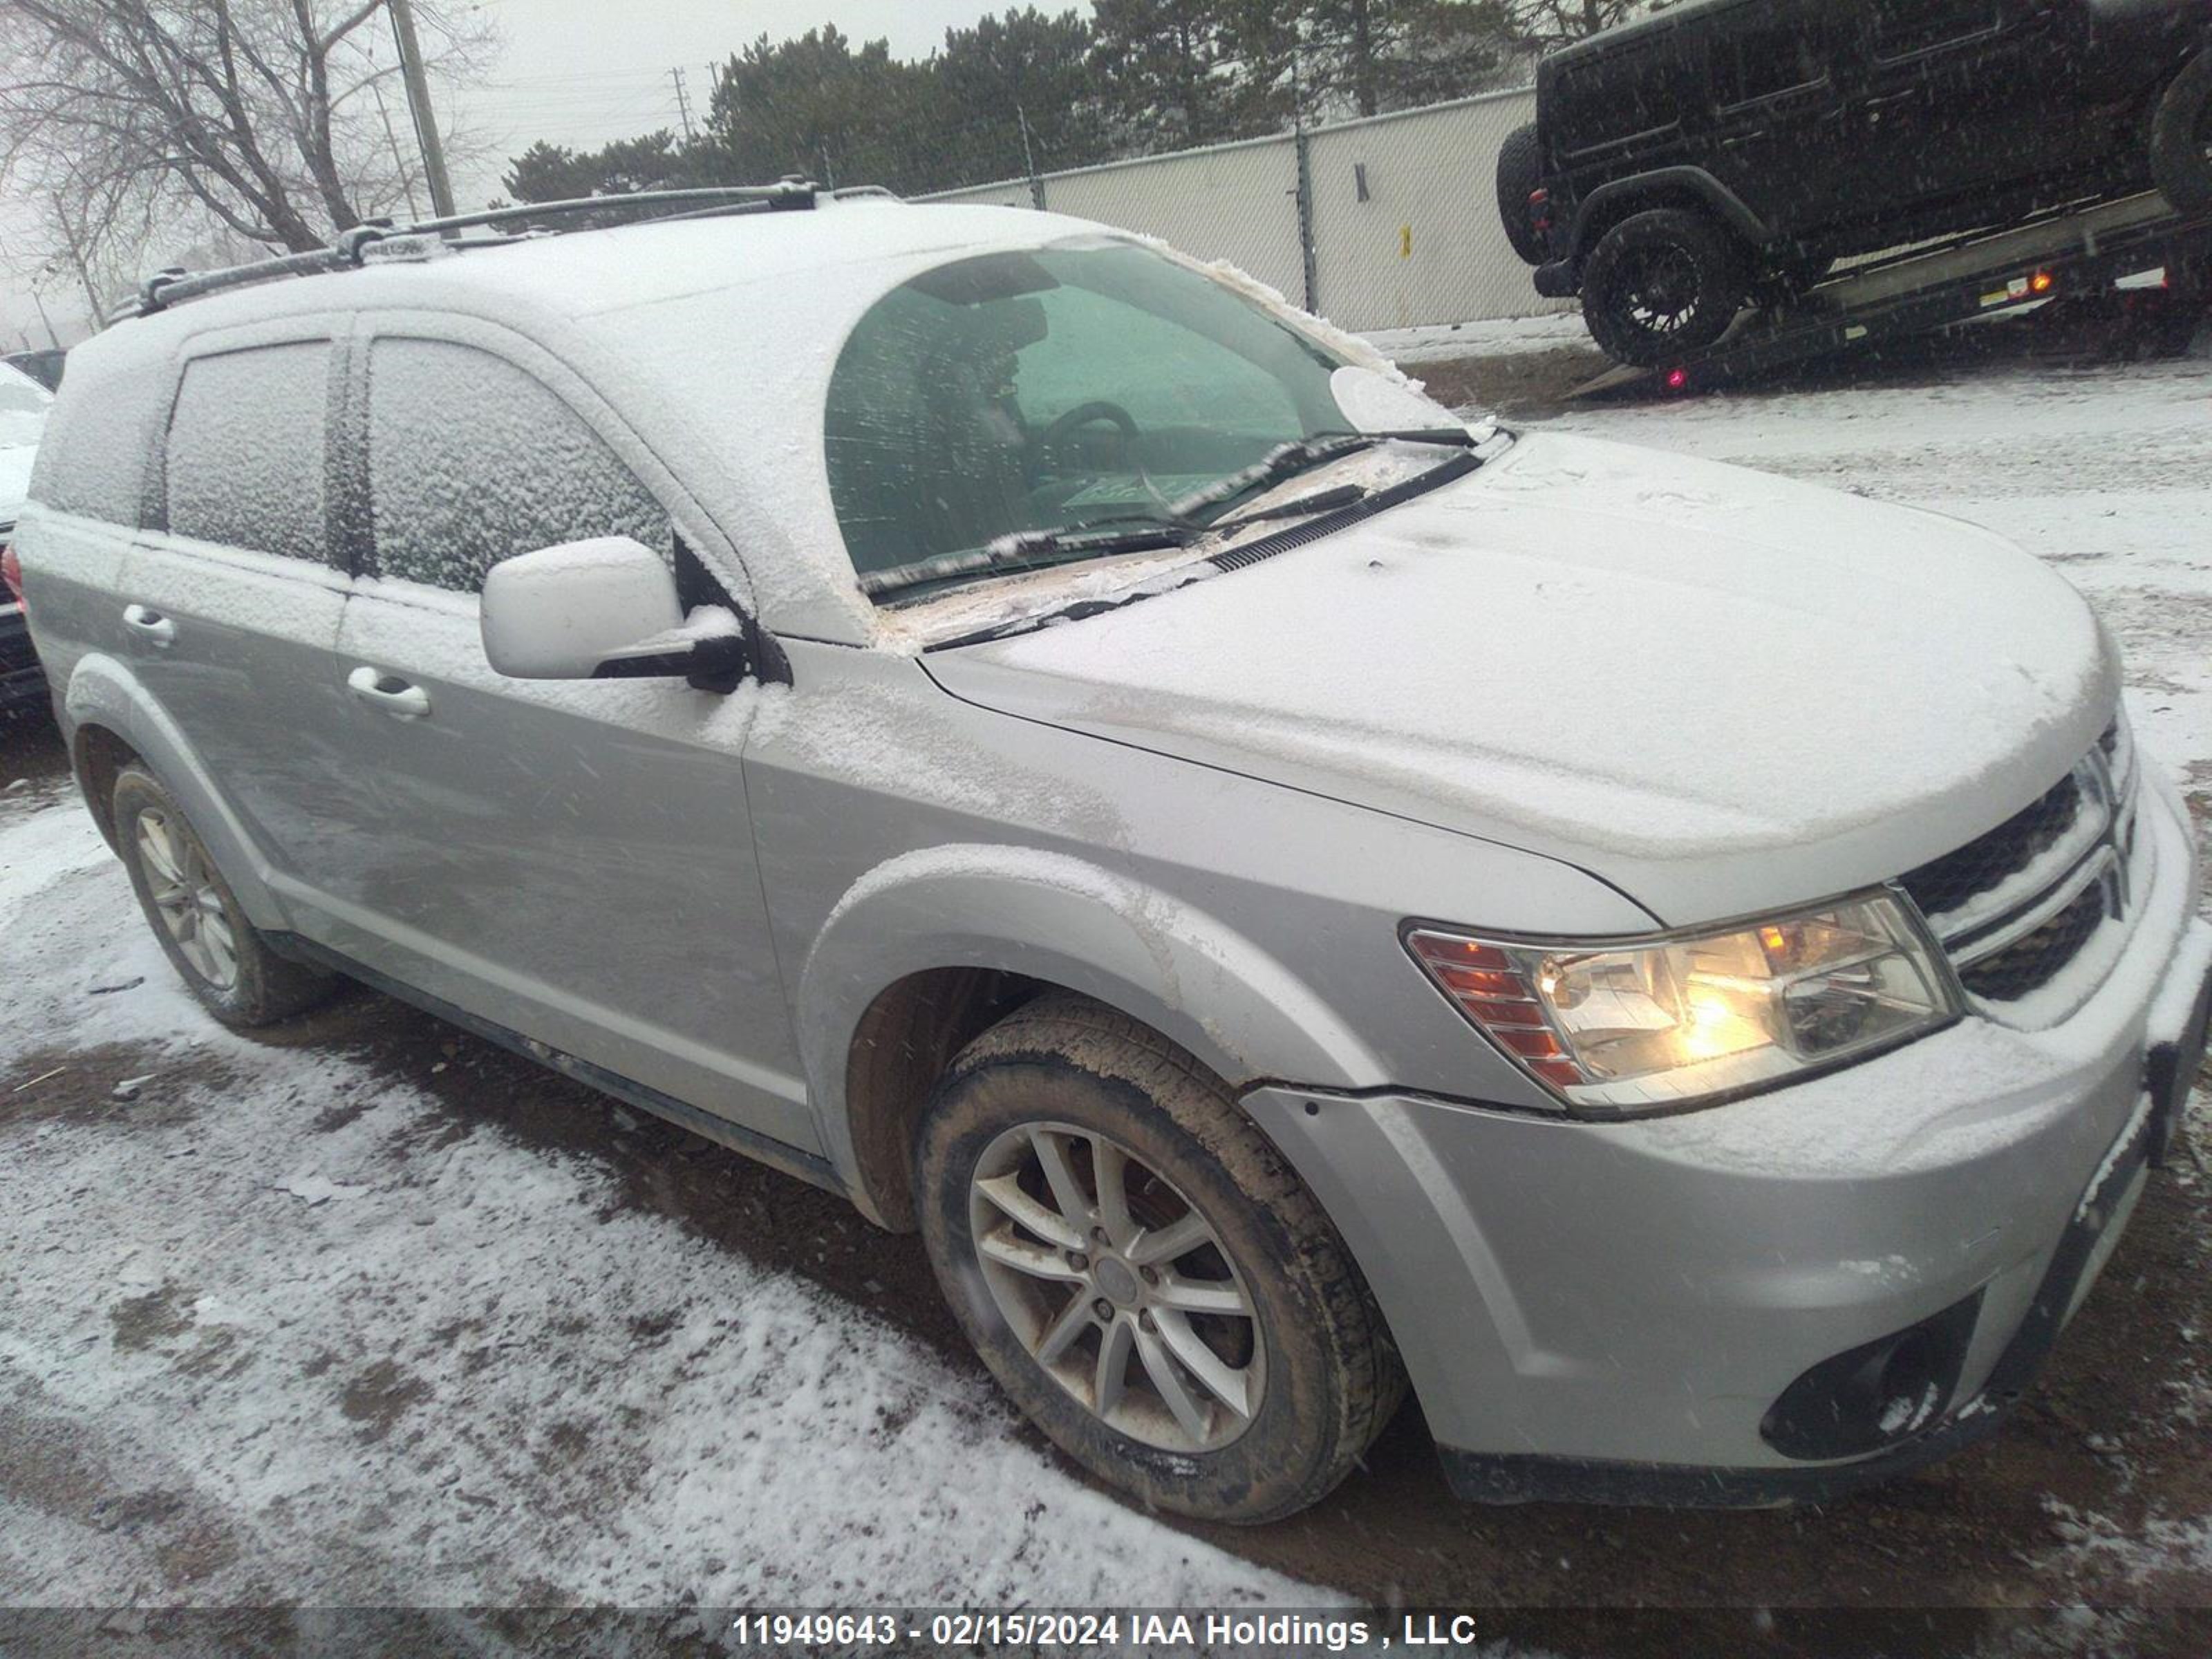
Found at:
[1916, 290]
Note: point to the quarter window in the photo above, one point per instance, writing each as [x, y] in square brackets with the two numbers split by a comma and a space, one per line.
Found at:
[245, 459]
[471, 461]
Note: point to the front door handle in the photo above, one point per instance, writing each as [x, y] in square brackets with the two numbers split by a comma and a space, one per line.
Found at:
[149, 625]
[388, 694]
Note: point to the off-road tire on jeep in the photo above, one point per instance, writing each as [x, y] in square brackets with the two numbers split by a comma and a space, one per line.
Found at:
[1520, 171]
[2181, 139]
[1663, 283]
[1082, 1075]
[197, 917]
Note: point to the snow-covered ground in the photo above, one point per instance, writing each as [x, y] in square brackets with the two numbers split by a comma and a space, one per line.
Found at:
[277, 1328]
[1445, 343]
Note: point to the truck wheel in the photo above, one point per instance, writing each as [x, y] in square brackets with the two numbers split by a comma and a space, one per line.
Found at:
[2181, 139]
[1662, 283]
[1520, 171]
[1143, 1272]
[220, 955]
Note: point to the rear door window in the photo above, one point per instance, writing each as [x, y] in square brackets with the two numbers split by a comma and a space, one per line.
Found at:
[1753, 63]
[1906, 28]
[246, 449]
[471, 460]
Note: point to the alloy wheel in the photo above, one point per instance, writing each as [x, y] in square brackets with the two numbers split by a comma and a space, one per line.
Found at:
[185, 895]
[1661, 290]
[1118, 1287]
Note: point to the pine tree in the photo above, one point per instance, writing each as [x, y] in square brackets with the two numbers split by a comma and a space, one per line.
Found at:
[1014, 91]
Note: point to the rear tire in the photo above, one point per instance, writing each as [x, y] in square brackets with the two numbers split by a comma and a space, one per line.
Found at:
[2181, 139]
[1520, 171]
[1293, 1375]
[1663, 283]
[202, 931]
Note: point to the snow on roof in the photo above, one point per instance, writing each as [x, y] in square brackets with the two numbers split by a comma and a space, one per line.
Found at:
[713, 337]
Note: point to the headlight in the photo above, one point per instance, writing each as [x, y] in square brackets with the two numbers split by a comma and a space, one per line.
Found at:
[1657, 1024]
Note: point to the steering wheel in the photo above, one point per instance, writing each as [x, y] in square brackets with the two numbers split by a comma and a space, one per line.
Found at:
[1045, 442]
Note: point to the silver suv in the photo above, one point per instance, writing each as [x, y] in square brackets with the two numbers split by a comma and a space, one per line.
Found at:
[1287, 892]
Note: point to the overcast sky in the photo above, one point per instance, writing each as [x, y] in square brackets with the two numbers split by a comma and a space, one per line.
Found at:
[583, 72]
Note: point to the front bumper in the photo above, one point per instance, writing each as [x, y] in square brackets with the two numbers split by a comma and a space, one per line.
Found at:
[1609, 1312]
[1561, 279]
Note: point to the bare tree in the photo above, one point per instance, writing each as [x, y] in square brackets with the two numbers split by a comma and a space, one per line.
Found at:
[194, 119]
[1545, 23]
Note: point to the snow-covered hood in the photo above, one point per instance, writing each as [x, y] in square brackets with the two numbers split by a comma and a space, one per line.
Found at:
[1719, 690]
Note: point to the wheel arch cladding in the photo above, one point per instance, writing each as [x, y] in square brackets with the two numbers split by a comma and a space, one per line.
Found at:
[931, 948]
[1689, 188]
[113, 721]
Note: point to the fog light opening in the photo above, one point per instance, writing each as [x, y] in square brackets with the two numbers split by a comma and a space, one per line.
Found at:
[1873, 1396]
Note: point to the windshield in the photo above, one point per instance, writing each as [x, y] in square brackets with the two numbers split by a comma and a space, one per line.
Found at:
[1062, 390]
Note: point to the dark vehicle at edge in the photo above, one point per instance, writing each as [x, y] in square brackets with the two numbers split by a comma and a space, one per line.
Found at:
[1732, 149]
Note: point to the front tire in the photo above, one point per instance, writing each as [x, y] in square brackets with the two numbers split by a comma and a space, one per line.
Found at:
[2181, 139]
[220, 955]
[1662, 284]
[1143, 1273]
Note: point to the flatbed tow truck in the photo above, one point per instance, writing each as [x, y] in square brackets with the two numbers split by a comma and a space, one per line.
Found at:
[2072, 251]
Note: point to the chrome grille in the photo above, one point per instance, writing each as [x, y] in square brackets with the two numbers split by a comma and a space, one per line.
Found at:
[2014, 907]
[2035, 959]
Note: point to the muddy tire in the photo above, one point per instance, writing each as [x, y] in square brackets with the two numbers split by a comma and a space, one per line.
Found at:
[217, 952]
[1143, 1273]
[1520, 171]
[2181, 139]
[1662, 284]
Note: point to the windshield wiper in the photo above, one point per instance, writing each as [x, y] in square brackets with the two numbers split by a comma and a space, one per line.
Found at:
[1098, 538]
[1034, 550]
[1304, 455]
[1322, 500]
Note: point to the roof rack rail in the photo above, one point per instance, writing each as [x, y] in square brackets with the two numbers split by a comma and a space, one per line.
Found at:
[351, 249]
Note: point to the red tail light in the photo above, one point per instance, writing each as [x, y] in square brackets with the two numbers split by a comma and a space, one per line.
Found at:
[1540, 208]
[11, 572]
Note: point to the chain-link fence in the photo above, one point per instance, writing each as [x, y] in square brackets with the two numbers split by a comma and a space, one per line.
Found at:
[1383, 223]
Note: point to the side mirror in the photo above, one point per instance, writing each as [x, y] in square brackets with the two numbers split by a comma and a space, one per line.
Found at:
[603, 608]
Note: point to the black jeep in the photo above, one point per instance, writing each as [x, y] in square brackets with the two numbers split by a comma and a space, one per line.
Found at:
[1724, 150]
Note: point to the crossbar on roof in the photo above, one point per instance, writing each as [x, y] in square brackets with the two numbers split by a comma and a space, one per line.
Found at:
[171, 288]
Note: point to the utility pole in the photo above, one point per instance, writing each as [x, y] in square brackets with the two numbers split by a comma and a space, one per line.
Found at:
[418, 102]
[53, 338]
[391, 139]
[1029, 161]
[682, 103]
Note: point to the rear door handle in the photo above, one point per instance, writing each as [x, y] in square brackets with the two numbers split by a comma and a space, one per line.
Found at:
[388, 694]
[149, 625]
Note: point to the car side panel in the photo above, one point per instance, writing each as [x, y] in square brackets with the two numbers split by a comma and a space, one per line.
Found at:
[901, 828]
[572, 861]
[246, 676]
